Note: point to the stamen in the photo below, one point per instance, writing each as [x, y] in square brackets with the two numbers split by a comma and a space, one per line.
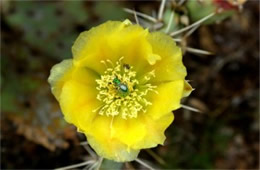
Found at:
[110, 62]
[121, 92]
[103, 62]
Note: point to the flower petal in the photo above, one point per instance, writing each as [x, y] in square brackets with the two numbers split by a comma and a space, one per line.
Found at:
[107, 146]
[170, 67]
[77, 102]
[128, 131]
[58, 76]
[89, 41]
[85, 76]
[168, 98]
[111, 41]
[95, 45]
[157, 127]
[135, 48]
[141, 132]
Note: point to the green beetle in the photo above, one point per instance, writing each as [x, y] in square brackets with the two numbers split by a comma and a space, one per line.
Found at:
[121, 87]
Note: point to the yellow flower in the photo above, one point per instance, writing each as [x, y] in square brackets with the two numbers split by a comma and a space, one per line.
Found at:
[120, 87]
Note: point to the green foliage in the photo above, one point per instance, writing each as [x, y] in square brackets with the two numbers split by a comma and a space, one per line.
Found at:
[174, 23]
[108, 165]
[109, 11]
[199, 10]
[212, 140]
[50, 25]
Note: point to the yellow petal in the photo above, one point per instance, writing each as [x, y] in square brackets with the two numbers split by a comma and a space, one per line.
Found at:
[170, 67]
[111, 41]
[88, 41]
[106, 146]
[141, 132]
[95, 45]
[134, 47]
[155, 130]
[168, 98]
[164, 45]
[58, 76]
[85, 76]
[77, 103]
[130, 131]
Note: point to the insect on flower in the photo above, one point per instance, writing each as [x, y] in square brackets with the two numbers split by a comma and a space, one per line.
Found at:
[122, 87]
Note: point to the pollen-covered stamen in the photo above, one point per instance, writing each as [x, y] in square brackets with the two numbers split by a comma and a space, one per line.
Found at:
[121, 92]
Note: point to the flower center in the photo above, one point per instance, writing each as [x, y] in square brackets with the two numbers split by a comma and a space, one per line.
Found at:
[121, 92]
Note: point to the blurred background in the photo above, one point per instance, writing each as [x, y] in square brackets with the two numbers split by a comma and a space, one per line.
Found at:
[37, 35]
